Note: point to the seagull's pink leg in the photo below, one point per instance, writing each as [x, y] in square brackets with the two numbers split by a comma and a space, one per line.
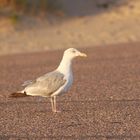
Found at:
[52, 103]
[55, 110]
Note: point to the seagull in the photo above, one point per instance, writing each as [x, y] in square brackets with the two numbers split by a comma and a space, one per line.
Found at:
[53, 83]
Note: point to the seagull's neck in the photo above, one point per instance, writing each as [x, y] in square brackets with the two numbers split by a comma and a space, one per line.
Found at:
[65, 66]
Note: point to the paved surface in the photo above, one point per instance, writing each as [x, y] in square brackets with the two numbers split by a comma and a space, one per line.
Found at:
[104, 102]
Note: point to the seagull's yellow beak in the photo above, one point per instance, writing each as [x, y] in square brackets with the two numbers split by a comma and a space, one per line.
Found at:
[82, 54]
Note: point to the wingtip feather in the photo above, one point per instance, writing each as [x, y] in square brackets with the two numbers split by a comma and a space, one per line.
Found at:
[17, 94]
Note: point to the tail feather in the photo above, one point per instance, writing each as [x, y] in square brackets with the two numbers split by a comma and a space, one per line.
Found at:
[18, 94]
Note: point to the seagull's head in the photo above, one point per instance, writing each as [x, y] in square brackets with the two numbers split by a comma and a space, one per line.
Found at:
[73, 53]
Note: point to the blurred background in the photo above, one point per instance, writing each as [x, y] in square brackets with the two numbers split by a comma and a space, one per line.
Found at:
[37, 25]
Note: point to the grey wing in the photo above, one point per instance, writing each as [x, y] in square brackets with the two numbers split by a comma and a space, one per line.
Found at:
[26, 83]
[46, 85]
[49, 75]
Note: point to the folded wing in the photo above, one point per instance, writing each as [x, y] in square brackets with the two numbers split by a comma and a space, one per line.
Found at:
[46, 84]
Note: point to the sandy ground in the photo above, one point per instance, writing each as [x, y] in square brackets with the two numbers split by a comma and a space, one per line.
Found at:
[84, 26]
[102, 104]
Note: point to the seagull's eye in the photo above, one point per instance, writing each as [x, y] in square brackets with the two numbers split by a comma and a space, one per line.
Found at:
[73, 51]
